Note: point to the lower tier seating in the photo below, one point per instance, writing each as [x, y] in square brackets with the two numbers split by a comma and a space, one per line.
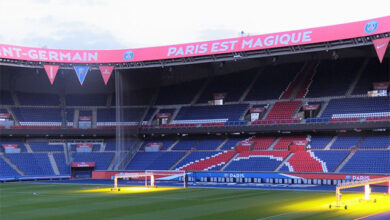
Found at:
[205, 160]
[257, 161]
[32, 163]
[368, 161]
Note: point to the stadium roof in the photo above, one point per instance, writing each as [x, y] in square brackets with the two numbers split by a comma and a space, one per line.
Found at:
[300, 41]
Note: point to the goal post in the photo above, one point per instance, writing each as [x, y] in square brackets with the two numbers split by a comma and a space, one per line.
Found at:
[365, 183]
[151, 176]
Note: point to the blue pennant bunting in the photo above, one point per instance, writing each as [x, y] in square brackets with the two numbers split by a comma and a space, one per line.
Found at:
[81, 72]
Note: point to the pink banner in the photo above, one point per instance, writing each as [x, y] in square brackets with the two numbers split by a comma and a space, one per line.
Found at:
[85, 118]
[84, 145]
[10, 146]
[106, 72]
[380, 47]
[51, 71]
[83, 164]
[256, 42]
[5, 115]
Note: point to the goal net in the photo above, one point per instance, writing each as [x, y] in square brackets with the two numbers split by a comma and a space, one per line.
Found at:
[153, 177]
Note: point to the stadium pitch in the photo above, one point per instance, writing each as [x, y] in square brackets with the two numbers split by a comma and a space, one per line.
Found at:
[70, 201]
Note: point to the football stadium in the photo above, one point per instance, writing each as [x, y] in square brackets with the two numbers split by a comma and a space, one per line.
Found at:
[288, 125]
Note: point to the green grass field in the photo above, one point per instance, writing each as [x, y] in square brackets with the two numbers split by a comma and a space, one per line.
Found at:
[60, 201]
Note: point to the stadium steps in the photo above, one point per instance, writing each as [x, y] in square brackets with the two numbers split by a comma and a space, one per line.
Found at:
[323, 107]
[110, 98]
[271, 147]
[242, 117]
[177, 162]
[94, 118]
[199, 93]
[283, 162]
[304, 89]
[222, 144]
[154, 115]
[9, 162]
[67, 154]
[53, 163]
[242, 98]
[103, 147]
[128, 157]
[327, 147]
[231, 160]
[173, 145]
[345, 161]
[175, 114]
[9, 109]
[76, 116]
[28, 147]
[268, 110]
[16, 99]
[296, 83]
[358, 75]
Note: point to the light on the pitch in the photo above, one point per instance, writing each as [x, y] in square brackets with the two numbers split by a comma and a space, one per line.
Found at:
[130, 189]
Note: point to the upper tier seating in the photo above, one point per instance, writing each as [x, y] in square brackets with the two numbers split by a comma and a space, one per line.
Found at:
[376, 141]
[208, 114]
[257, 161]
[102, 160]
[283, 110]
[40, 146]
[154, 160]
[31, 114]
[374, 72]
[233, 85]
[38, 99]
[108, 115]
[358, 107]
[265, 87]
[6, 98]
[334, 77]
[182, 93]
[135, 97]
[205, 160]
[368, 161]
[6, 170]
[86, 99]
[346, 142]
[32, 163]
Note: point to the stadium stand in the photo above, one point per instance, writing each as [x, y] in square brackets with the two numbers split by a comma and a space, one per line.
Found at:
[205, 160]
[368, 161]
[233, 85]
[374, 72]
[86, 99]
[183, 93]
[39, 99]
[6, 98]
[257, 161]
[32, 163]
[61, 163]
[6, 170]
[102, 160]
[154, 160]
[333, 77]
[41, 146]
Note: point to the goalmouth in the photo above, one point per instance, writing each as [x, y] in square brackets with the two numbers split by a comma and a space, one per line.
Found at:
[150, 177]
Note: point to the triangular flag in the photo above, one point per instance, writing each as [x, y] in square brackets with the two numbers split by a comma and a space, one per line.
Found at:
[51, 71]
[81, 72]
[381, 46]
[106, 72]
